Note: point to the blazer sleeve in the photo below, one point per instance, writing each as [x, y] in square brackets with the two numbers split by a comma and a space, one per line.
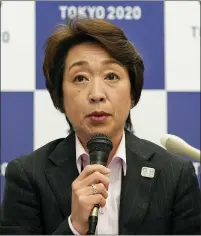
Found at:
[187, 207]
[20, 209]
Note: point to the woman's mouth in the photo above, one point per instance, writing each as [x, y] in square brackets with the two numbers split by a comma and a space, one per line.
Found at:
[98, 116]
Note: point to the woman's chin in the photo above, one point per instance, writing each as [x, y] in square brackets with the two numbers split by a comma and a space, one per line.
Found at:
[98, 130]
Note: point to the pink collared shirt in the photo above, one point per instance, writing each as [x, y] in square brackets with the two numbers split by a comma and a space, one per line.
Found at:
[108, 219]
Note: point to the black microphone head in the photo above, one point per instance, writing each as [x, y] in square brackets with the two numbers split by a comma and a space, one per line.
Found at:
[99, 147]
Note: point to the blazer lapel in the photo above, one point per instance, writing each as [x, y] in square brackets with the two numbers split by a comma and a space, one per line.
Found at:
[64, 171]
[136, 190]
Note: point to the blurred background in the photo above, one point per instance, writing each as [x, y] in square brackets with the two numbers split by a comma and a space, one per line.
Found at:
[166, 34]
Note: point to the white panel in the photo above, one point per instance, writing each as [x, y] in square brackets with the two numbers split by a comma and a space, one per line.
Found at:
[182, 45]
[149, 117]
[49, 123]
[18, 46]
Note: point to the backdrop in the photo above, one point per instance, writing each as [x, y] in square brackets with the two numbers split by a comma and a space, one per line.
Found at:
[167, 35]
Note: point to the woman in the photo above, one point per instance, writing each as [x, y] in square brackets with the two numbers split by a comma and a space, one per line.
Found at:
[95, 76]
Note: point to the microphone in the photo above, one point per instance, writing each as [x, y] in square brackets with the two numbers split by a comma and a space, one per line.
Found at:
[99, 147]
[177, 145]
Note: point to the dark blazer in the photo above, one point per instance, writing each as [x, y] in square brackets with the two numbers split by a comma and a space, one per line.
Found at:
[37, 196]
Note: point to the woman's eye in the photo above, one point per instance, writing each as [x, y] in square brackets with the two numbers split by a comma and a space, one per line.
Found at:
[79, 78]
[112, 76]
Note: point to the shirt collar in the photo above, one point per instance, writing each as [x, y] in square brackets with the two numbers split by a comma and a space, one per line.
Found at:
[80, 151]
[121, 152]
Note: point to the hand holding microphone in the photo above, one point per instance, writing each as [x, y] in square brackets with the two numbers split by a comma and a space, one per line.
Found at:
[89, 190]
[83, 199]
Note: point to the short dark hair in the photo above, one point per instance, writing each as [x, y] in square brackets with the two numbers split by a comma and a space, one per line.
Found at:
[99, 31]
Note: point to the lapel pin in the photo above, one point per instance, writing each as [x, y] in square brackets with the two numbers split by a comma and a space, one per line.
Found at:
[148, 172]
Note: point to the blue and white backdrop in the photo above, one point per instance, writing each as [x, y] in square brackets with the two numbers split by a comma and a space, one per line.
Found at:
[167, 34]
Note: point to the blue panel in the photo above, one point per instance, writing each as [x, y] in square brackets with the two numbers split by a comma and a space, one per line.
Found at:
[16, 126]
[184, 117]
[146, 33]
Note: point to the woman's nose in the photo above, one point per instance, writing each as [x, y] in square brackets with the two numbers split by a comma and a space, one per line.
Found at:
[96, 94]
[97, 97]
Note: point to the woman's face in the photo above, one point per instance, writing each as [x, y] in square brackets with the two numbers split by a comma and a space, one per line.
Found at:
[96, 91]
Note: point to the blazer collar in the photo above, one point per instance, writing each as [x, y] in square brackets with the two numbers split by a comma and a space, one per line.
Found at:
[65, 150]
[140, 147]
[63, 172]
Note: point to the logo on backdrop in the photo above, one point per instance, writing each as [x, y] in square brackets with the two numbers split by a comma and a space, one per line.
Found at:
[196, 29]
[5, 35]
[101, 12]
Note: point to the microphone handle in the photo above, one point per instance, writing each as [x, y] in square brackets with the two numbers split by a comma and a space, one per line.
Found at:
[93, 220]
[100, 158]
